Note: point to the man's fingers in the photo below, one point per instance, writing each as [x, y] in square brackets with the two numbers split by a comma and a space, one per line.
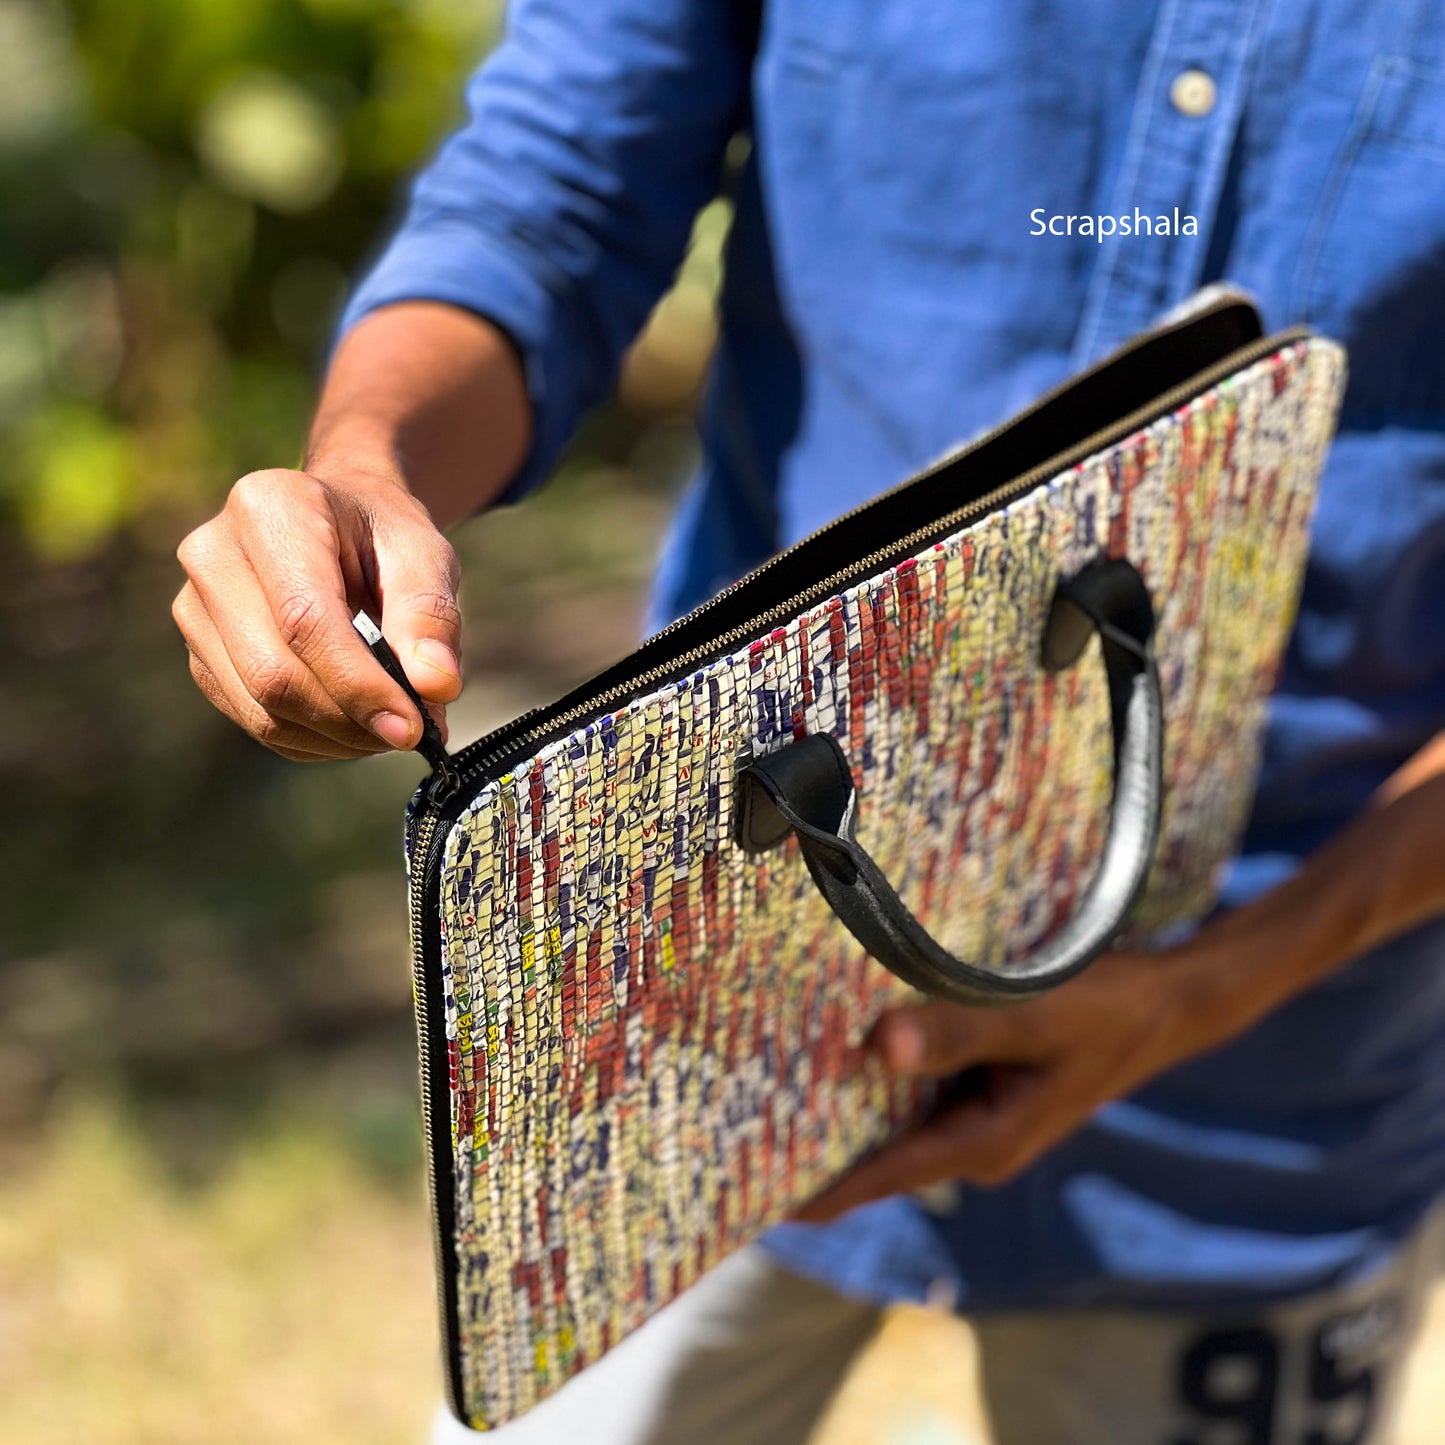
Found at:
[983, 1141]
[217, 677]
[226, 621]
[926, 1156]
[290, 539]
[416, 579]
[290, 740]
[935, 1039]
[275, 579]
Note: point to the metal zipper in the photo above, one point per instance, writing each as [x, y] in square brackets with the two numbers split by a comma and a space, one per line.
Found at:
[482, 756]
[431, 1043]
[432, 1054]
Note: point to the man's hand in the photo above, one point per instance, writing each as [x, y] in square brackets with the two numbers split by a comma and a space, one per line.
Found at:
[266, 614]
[423, 419]
[1037, 1071]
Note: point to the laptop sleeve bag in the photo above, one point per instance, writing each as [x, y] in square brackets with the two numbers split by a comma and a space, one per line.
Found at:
[956, 741]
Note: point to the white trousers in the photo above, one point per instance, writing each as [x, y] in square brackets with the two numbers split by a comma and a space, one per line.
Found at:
[752, 1354]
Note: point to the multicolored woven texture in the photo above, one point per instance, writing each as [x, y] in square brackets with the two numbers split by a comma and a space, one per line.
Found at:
[655, 1037]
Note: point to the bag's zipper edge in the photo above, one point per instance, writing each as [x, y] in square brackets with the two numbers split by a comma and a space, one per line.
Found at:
[463, 762]
[433, 1061]
[482, 755]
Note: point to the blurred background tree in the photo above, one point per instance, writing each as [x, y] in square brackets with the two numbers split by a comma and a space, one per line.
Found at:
[186, 188]
[204, 1007]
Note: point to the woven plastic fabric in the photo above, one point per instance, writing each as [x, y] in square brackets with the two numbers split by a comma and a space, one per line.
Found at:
[655, 1037]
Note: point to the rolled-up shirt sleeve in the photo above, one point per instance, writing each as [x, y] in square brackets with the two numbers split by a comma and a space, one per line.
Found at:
[561, 209]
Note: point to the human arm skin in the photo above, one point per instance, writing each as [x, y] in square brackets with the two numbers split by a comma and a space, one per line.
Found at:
[1045, 1066]
[424, 418]
[432, 395]
[560, 209]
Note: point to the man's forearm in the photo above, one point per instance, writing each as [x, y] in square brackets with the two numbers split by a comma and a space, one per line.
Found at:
[428, 396]
[1043, 1067]
[1379, 878]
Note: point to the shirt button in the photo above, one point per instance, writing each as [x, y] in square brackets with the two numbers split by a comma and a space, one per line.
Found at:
[1193, 92]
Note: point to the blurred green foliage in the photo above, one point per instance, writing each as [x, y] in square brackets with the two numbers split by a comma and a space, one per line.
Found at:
[186, 187]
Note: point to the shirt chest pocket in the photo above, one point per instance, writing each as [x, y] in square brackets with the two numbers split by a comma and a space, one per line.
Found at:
[1372, 270]
[906, 143]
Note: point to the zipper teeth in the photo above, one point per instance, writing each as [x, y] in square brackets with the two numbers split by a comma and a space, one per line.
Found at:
[467, 767]
[420, 848]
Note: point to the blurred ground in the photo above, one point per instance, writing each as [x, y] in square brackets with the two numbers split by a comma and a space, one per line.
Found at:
[287, 1301]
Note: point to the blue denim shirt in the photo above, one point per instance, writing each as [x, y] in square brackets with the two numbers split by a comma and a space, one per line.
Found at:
[886, 296]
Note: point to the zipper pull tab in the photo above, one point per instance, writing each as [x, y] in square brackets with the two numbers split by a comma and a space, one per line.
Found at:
[444, 778]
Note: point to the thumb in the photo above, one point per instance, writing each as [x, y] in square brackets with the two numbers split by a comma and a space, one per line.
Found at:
[416, 584]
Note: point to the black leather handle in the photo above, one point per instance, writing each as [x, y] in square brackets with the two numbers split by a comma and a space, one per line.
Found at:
[807, 789]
